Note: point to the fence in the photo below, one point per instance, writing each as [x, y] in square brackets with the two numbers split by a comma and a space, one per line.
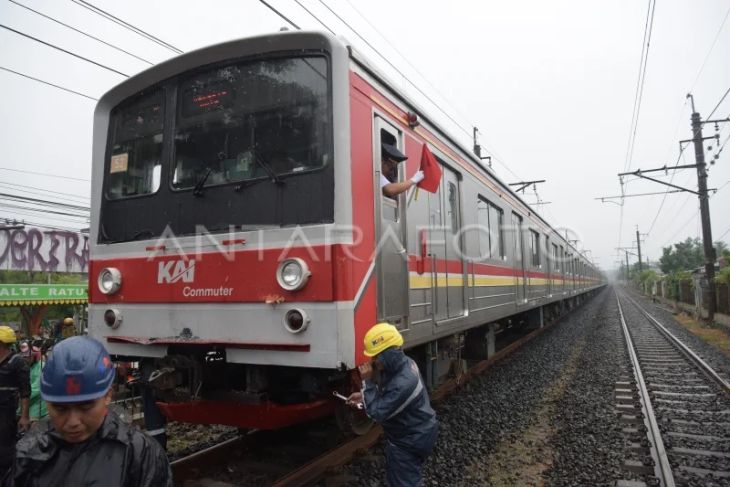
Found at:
[690, 292]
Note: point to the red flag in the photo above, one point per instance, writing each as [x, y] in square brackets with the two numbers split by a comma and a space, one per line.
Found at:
[431, 171]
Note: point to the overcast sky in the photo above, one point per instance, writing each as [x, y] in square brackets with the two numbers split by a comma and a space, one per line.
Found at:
[550, 85]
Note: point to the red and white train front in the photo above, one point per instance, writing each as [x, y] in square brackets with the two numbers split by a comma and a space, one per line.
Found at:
[223, 254]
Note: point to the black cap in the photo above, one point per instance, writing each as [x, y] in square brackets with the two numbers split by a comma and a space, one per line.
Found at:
[392, 152]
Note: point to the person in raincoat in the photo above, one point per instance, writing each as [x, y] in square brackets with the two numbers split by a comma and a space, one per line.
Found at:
[86, 444]
[36, 406]
[14, 392]
[397, 399]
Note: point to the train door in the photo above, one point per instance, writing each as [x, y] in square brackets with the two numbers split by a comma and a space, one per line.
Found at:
[548, 268]
[519, 270]
[437, 251]
[447, 273]
[391, 260]
[455, 280]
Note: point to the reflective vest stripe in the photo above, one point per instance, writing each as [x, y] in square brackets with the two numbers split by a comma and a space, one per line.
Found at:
[410, 399]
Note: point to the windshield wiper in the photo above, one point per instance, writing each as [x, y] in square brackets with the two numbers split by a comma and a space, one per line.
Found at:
[267, 167]
[198, 189]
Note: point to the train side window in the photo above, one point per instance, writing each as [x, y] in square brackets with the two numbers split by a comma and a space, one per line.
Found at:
[453, 208]
[490, 219]
[556, 262]
[534, 248]
[134, 163]
[390, 205]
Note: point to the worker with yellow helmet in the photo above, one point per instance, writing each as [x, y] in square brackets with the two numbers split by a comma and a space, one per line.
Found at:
[396, 397]
[14, 388]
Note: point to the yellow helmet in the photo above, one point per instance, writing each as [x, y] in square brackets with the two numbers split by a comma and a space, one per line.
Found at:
[7, 335]
[68, 321]
[381, 337]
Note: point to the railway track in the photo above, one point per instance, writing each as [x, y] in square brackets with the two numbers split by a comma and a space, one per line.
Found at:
[676, 408]
[250, 460]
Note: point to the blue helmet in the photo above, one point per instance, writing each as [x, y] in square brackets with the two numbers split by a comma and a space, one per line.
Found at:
[79, 370]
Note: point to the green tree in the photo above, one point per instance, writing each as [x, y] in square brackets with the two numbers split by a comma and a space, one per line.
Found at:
[682, 256]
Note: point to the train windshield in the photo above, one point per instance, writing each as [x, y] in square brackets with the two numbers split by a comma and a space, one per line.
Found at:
[245, 145]
[250, 121]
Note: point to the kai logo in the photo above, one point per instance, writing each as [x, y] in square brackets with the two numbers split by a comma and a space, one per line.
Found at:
[176, 270]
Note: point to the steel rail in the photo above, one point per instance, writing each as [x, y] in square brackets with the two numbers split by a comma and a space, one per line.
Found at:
[314, 470]
[704, 366]
[662, 468]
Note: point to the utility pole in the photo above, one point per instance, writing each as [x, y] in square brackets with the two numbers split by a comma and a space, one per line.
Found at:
[702, 193]
[638, 246]
[704, 210]
[627, 265]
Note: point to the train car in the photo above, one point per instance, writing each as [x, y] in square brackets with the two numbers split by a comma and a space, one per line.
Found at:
[241, 246]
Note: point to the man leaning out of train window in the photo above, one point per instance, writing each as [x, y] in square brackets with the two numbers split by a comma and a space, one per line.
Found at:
[390, 158]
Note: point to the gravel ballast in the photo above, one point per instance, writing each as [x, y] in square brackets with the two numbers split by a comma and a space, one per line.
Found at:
[543, 415]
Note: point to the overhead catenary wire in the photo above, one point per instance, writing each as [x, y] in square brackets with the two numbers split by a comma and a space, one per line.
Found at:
[47, 83]
[724, 233]
[468, 132]
[709, 52]
[643, 62]
[683, 226]
[126, 25]
[277, 12]
[53, 46]
[661, 205]
[718, 104]
[43, 174]
[81, 32]
[314, 16]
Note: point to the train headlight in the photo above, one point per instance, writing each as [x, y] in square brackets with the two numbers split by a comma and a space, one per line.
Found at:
[296, 321]
[113, 318]
[292, 274]
[110, 280]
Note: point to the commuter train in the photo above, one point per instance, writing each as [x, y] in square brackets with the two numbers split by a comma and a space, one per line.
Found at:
[241, 246]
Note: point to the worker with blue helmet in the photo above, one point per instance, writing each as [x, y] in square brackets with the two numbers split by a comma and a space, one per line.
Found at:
[85, 442]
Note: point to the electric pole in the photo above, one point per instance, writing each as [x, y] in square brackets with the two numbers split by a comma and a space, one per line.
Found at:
[702, 193]
[704, 211]
[638, 246]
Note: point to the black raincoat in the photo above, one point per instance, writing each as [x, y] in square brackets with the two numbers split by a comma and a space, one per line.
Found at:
[399, 402]
[14, 385]
[118, 455]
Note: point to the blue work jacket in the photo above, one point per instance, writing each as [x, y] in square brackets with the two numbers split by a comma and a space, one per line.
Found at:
[399, 402]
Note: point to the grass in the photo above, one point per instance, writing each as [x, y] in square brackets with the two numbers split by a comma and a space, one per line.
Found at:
[717, 337]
